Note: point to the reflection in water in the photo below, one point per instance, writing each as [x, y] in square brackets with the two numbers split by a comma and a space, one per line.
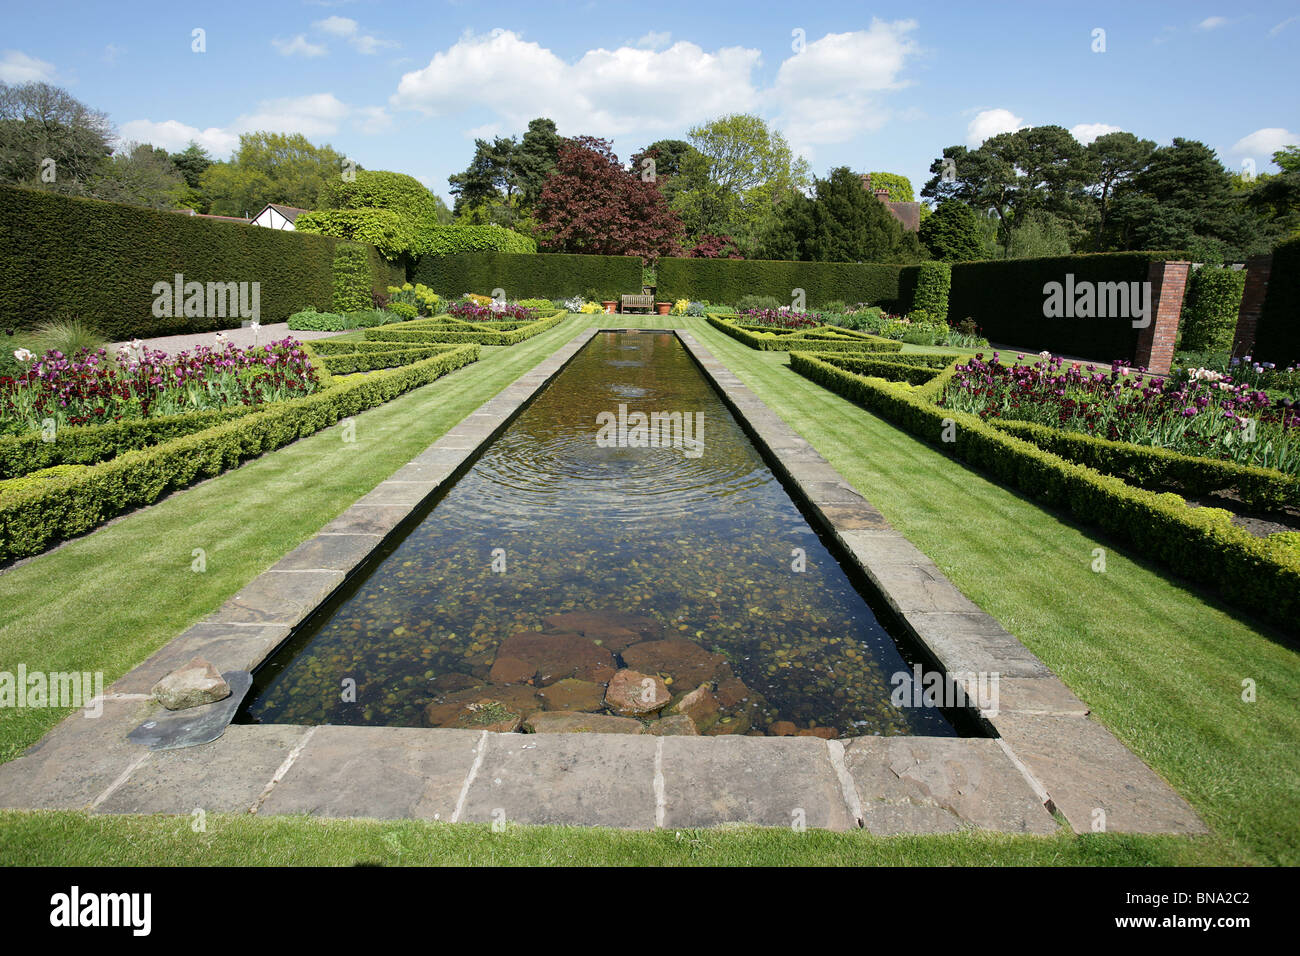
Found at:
[644, 550]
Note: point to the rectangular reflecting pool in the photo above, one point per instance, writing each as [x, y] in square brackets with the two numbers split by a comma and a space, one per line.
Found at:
[620, 544]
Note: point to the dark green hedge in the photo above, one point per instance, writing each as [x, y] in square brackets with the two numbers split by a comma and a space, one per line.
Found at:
[1277, 338]
[726, 280]
[1260, 575]
[548, 275]
[1006, 298]
[34, 518]
[63, 257]
[1210, 309]
[433, 331]
[914, 368]
[367, 360]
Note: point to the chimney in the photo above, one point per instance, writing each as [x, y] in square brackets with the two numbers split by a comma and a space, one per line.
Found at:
[866, 182]
[882, 194]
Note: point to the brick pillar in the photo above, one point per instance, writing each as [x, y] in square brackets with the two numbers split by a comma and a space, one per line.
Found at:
[1155, 345]
[1252, 302]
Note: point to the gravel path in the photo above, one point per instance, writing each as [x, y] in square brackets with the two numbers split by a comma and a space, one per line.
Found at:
[243, 337]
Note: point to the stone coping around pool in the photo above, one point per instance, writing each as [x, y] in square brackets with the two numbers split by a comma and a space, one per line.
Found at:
[1075, 765]
[1049, 754]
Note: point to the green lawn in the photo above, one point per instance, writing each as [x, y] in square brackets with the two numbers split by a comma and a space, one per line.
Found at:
[1161, 666]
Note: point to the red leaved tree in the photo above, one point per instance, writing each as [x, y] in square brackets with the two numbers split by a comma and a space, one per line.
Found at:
[709, 246]
[592, 205]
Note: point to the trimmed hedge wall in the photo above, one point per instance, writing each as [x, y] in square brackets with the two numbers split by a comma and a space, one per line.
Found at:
[1277, 338]
[437, 240]
[61, 256]
[1257, 574]
[933, 282]
[726, 280]
[34, 518]
[848, 341]
[390, 355]
[549, 275]
[1209, 318]
[1006, 298]
[1152, 468]
[913, 368]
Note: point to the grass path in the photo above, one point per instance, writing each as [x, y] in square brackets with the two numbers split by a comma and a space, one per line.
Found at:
[1161, 666]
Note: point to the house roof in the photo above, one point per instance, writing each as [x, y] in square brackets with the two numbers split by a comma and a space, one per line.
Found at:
[289, 212]
[204, 215]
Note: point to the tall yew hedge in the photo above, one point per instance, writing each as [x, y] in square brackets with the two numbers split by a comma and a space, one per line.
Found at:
[726, 280]
[63, 257]
[1277, 339]
[521, 275]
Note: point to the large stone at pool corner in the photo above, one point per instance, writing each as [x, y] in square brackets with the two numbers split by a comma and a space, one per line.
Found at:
[571, 722]
[192, 685]
[686, 662]
[674, 725]
[633, 694]
[573, 694]
[560, 655]
[700, 706]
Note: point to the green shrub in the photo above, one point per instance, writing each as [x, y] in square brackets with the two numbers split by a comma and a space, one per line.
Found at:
[309, 320]
[552, 275]
[426, 331]
[747, 302]
[433, 239]
[61, 256]
[68, 336]
[35, 479]
[389, 355]
[1209, 318]
[542, 305]
[388, 231]
[730, 280]
[933, 281]
[351, 278]
[1194, 542]
[64, 506]
[404, 309]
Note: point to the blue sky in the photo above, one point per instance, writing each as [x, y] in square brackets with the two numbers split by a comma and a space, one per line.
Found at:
[407, 85]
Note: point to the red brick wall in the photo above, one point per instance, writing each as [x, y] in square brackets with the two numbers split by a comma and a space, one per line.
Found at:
[1252, 302]
[1155, 347]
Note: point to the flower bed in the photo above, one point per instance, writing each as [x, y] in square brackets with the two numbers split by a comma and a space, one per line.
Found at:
[494, 311]
[820, 338]
[1261, 575]
[1204, 414]
[92, 388]
[36, 513]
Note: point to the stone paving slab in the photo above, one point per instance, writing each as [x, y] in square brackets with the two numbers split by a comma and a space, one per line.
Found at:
[76, 761]
[229, 647]
[367, 519]
[387, 773]
[586, 779]
[176, 730]
[768, 781]
[941, 784]
[227, 775]
[1085, 769]
[279, 597]
[973, 642]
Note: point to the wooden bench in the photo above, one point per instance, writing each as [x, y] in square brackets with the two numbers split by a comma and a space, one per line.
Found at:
[646, 302]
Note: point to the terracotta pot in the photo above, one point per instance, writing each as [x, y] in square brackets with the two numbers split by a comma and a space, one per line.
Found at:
[610, 306]
[662, 308]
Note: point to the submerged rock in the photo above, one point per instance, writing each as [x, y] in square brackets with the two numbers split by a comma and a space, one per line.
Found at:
[613, 629]
[511, 670]
[782, 728]
[465, 708]
[700, 706]
[573, 694]
[197, 683]
[554, 657]
[632, 693]
[571, 722]
[685, 661]
[677, 725]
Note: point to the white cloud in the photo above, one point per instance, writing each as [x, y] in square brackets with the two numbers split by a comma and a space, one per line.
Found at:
[1263, 143]
[174, 136]
[991, 122]
[1282, 26]
[654, 40]
[315, 116]
[831, 91]
[606, 92]
[350, 30]
[338, 26]
[1212, 23]
[1085, 133]
[299, 45]
[17, 67]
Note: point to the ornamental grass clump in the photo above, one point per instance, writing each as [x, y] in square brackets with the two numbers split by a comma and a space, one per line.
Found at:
[1205, 413]
[92, 388]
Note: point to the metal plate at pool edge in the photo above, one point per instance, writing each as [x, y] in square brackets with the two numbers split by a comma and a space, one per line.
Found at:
[194, 725]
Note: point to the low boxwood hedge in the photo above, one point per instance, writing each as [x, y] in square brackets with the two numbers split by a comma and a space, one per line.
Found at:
[787, 340]
[482, 333]
[1257, 574]
[1149, 467]
[913, 368]
[33, 518]
[345, 363]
